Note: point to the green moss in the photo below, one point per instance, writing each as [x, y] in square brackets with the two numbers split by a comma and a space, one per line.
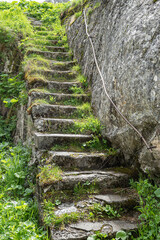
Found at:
[49, 173]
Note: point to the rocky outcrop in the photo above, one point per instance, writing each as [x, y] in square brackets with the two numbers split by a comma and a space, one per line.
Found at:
[126, 37]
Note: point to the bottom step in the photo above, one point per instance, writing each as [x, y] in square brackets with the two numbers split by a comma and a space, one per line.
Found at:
[82, 230]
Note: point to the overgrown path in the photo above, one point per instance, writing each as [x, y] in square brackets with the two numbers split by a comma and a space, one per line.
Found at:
[78, 191]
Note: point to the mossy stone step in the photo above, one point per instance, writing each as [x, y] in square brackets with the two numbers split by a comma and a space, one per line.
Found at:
[114, 200]
[35, 22]
[54, 85]
[46, 141]
[77, 160]
[56, 49]
[46, 42]
[59, 97]
[81, 231]
[58, 65]
[48, 110]
[103, 179]
[51, 55]
[57, 75]
[44, 32]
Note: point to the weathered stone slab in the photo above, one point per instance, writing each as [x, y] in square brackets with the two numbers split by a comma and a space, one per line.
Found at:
[55, 85]
[111, 198]
[58, 97]
[65, 208]
[68, 234]
[81, 231]
[57, 75]
[105, 227]
[51, 55]
[118, 200]
[104, 179]
[48, 110]
[78, 160]
[56, 49]
[53, 124]
[67, 65]
[46, 141]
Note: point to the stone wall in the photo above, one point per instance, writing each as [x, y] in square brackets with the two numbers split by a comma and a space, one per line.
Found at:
[126, 37]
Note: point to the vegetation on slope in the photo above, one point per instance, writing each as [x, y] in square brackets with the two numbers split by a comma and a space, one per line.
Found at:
[18, 210]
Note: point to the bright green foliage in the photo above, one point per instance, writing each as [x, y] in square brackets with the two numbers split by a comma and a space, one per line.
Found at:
[149, 196]
[14, 19]
[96, 143]
[84, 189]
[90, 123]
[99, 211]
[121, 235]
[18, 212]
[12, 89]
[98, 236]
[84, 110]
[82, 79]
[77, 90]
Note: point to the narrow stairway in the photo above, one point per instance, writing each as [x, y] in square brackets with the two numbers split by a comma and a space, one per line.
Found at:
[78, 192]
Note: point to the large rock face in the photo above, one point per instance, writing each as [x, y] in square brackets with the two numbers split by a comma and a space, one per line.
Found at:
[126, 37]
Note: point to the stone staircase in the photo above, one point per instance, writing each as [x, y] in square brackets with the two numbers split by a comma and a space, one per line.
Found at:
[74, 187]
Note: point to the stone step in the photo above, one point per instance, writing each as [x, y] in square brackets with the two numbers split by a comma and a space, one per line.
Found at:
[44, 32]
[46, 42]
[51, 55]
[56, 49]
[54, 85]
[102, 179]
[114, 200]
[35, 22]
[77, 160]
[46, 141]
[57, 65]
[53, 111]
[49, 48]
[57, 75]
[53, 125]
[55, 98]
[40, 28]
[117, 200]
[82, 230]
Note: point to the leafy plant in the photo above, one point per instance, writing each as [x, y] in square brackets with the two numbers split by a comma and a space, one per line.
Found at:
[85, 188]
[149, 200]
[77, 90]
[88, 124]
[18, 212]
[98, 210]
[82, 79]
